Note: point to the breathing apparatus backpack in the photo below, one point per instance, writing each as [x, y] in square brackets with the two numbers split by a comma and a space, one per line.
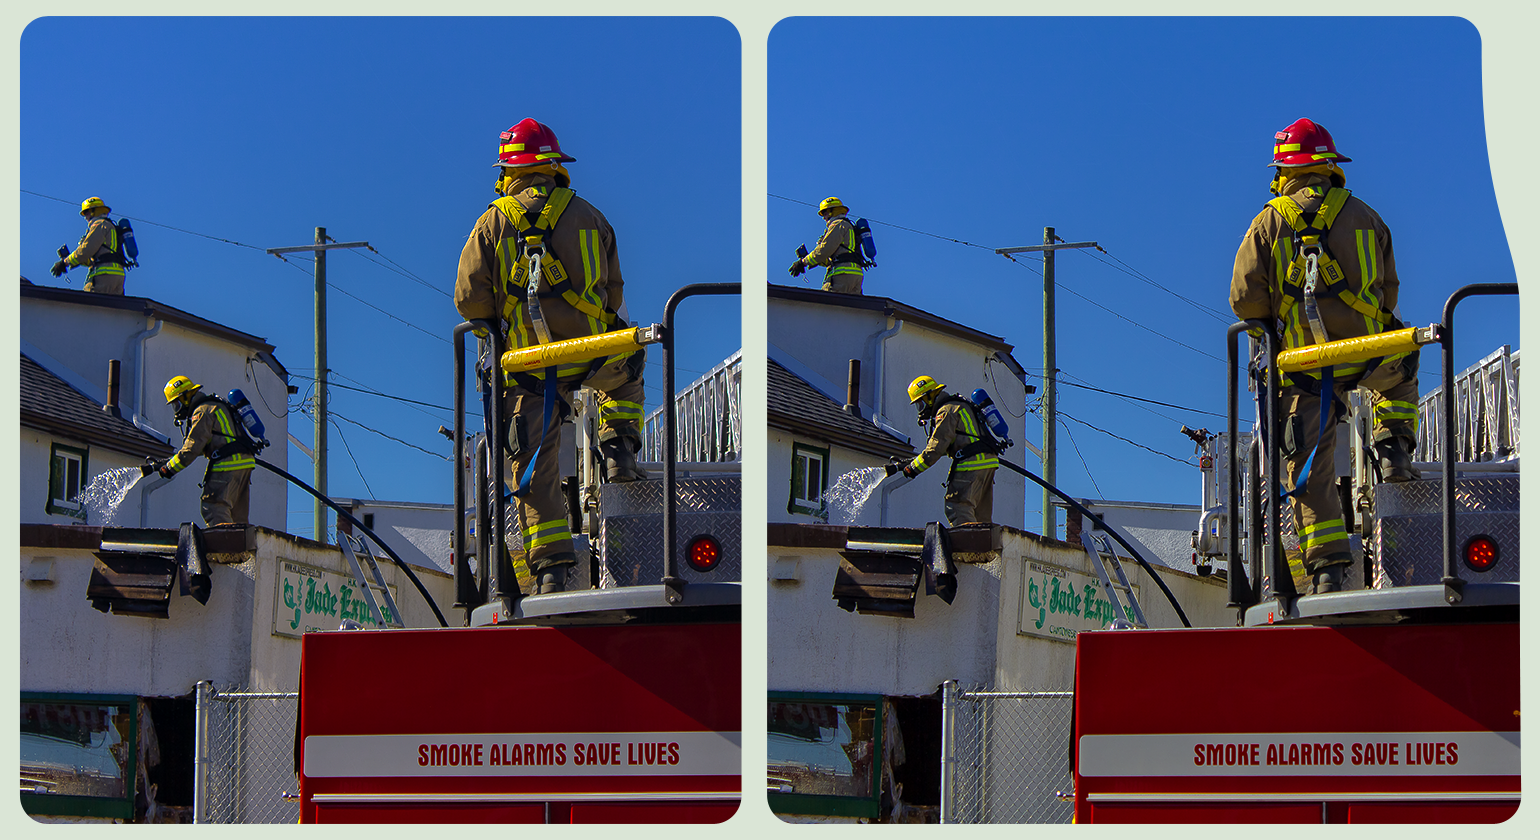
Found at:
[868, 254]
[126, 244]
[249, 432]
[987, 443]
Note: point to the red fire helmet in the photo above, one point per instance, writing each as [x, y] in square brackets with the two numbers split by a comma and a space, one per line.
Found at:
[1305, 143]
[529, 143]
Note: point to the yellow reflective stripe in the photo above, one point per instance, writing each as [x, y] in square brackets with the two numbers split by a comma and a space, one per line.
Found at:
[619, 410]
[511, 147]
[554, 531]
[846, 268]
[1395, 410]
[1322, 533]
[990, 462]
[1287, 147]
[235, 462]
[175, 465]
[588, 246]
[918, 464]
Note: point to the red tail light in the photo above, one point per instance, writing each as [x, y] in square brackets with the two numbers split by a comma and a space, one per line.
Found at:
[703, 553]
[1480, 553]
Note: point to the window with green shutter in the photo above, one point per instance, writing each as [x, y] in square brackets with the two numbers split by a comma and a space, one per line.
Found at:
[66, 478]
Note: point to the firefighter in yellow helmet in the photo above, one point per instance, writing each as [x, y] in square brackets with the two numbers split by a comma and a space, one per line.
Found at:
[210, 424]
[579, 294]
[1317, 263]
[101, 249]
[839, 250]
[957, 430]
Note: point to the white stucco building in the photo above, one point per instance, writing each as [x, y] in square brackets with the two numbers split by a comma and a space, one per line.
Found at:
[814, 336]
[71, 337]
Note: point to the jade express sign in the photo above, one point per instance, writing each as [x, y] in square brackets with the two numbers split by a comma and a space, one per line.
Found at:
[1058, 603]
[308, 598]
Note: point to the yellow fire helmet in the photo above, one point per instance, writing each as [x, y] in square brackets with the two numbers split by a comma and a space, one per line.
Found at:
[831, 204]
[921, 386]
[93, 203]
[178, 386]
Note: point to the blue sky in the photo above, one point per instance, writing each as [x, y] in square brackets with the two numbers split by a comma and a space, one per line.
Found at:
[381, 130]
[1151, 137]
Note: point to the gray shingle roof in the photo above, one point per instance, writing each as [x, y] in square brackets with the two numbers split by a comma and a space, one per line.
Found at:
[796, 406]
[50, 405]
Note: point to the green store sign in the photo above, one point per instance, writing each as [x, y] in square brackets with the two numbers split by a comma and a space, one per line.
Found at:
[308, 598]
[1058, 603]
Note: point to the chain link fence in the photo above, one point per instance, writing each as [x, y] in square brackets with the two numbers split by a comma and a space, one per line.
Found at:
[245, 757]
[1006, 756]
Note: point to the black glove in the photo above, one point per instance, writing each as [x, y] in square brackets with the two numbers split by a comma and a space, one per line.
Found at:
[162, 468]
[58, 268]
[909, 470]
[893, 465]
[797, 268]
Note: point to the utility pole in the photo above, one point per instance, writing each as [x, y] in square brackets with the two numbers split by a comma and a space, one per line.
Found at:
[320, 248]
[1051, 243]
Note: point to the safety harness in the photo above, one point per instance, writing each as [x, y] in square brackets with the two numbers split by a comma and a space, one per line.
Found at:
[533, 261]
[237, 453]
[852, 255]
[983, 443]
[1312, 272]
[112, 262]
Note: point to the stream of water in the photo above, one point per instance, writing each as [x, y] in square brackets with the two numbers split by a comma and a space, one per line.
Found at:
[101, 498]
[850, 492]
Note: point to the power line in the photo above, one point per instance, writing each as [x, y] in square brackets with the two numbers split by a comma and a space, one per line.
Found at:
[388, 437]
[1138, 399]
[1083, 463]
[1126, 440]
[1132, 272]
[145, 221]
[400, 269]
[900, 227]
[354, 458]
[372, 392]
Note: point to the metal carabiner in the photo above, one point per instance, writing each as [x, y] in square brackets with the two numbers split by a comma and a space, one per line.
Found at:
[532, 299]
[1312, 311]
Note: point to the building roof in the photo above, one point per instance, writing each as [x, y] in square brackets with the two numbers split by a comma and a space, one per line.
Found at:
[903, 312]
[50, 405]
[795, 406]
[151, 308]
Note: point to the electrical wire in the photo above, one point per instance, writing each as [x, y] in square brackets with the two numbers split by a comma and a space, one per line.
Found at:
[388, 437]
[400, 269]
[1133, 272]
[1188, 462]
[1076, 445]
[354, 458]
[900, 227]
[145, 221]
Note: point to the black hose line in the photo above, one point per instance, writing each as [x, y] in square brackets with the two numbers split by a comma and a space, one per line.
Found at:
[1105, 527]
[360, 526]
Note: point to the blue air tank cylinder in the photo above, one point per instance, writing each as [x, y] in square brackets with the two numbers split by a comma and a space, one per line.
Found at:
[991, 413]
[248, 414]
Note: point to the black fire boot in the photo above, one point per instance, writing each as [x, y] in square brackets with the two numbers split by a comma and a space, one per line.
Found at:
[552, 579]
[1328, 578]
[620, 459]
[1395, 454]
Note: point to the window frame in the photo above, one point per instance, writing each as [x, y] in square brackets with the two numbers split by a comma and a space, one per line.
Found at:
[803, 505]
[56, 504]
[66, 805]
[868, 806]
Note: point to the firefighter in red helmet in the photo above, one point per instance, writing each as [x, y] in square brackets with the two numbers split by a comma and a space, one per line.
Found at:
[579, 293]
[1317, 263]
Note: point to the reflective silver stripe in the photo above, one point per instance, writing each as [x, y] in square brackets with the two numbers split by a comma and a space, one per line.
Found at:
[618, 796]
[1332, 796]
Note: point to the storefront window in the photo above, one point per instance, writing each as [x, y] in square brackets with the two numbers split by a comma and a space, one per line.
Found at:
[824, 754]
[78, 754]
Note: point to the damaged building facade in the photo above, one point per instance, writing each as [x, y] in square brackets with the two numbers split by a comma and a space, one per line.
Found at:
[149, 650]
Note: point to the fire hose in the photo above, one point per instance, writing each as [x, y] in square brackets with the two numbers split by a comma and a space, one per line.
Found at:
[373, 536]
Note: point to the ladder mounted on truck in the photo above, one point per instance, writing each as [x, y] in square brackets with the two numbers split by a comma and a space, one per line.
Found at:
[1099, 547]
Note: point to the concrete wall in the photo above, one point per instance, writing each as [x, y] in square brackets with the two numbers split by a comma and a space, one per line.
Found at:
[275, 658]
[68, 646]
[823, 339]
[82, 339]
[816, 646]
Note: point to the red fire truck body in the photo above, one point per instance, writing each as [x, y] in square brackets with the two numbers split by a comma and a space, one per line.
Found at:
[521, 724]
[1363, 724]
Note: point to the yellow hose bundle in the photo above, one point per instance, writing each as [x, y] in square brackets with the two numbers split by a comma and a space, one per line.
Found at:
[583, 349]
[1359, 349]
